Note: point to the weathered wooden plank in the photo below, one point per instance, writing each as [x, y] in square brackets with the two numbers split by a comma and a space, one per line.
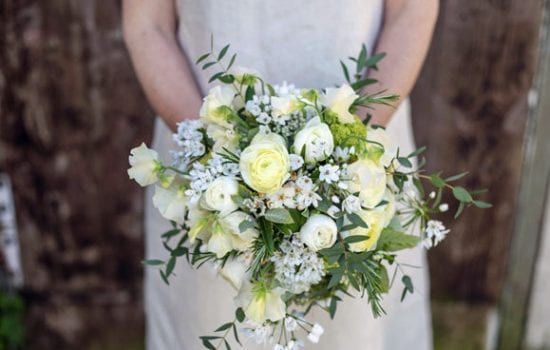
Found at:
[530, 210]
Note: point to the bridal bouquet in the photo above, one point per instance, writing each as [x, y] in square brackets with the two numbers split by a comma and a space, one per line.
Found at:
[295, 199]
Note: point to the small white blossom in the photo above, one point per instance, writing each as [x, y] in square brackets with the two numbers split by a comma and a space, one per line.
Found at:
[443, 207]
[291, 324]
[431, 195]
[329, 173]
[343, 154]
[296, 162]
[351, 204]
[435, 232]
[333, 211]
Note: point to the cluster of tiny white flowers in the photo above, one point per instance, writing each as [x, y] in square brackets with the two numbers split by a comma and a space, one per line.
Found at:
[435, 232]
[260, 335]
[260, 106]
[297, 267]
[291, 345]
[189, 138]
[315, 333]
[329, 173]
[306, 194]
[255, 205]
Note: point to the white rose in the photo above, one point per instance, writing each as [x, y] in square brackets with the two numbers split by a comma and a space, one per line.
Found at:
[284, 105]
[144, 164]
[339, 101]
[375, 222]
[217, 196]
[171, 202]
[223, 138]
[390, 148]
[211, 109]
[367, 178]
[234, 271]
[240, 241]
[319, 232]
[317, 140]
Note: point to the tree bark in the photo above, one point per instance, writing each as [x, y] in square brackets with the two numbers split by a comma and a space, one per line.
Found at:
[470, 107]
[70, 110]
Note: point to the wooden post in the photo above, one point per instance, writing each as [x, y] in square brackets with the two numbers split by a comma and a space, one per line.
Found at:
[530, 210]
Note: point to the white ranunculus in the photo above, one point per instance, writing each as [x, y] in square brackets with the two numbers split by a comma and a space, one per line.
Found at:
[223, 138]
[390, 148]
[367, 178]
[284, 105]
[144, 165]
[375, 222]
[319, 232]
[265, 163]
[339, 101]
[315, 140]
[218, 195]
[212, 107]
[234, 271]
[240, 241]
[171, 202]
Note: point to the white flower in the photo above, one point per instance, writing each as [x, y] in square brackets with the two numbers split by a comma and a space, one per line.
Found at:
[218, 195]
[296, 162]
[285, 89]
[431, 195]
[240, 241]
[339, 101]
[260, 303]
[315, 141]
[343, 154]
[367, 178]
[390, 148]
[144, 165]
[351, 204]
[317, 329]
[234, 271]
[304, 183]
[435, 232]
[329, 173]
[375, 222]
[223, 138]
[279, 347]
[290, 324]
[171, 202]
[283, 197]
[211, 109]
[319, 232]
[283, 105]
[443, 207]
[333, 211]
[263, 118]
[219, 243]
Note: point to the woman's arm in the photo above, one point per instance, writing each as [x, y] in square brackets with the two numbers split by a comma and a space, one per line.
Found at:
[405, 37]
[150, 34]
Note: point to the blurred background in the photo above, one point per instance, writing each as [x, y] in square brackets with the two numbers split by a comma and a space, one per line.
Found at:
[71, 234]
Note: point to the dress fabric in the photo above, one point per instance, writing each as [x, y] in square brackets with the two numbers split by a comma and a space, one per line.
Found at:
[300, 42]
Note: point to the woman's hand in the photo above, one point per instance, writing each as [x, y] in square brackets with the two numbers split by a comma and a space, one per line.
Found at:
[405, 37]
[164, 72]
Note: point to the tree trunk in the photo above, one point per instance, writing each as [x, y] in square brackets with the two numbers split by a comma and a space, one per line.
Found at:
[470, 108]
[70, 110]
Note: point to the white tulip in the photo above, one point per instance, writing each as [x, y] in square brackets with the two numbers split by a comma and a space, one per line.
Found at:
[339, 101]
[319, 232]
[144, 164]
[317, 140]
[218, 195]
[171, 202]
[219, 96]
[367, 178]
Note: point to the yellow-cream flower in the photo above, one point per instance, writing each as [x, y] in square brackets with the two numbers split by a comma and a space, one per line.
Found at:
[339, 101]
[216, 104]
[144, 164]
[375, 221]
[260, 303]
[265, 164]
[369, 179]
[240, 241]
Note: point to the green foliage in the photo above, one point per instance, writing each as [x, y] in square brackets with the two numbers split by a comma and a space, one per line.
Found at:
[349, 135]
[12, 327]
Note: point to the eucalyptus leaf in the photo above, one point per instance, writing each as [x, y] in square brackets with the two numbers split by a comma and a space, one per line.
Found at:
[392, 240]
[279, 216]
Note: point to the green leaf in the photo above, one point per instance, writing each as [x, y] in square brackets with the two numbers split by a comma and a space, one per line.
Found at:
[456, 177]
[231, 61]
[336, 277]
[462, 194]
[202, 58]
[417, 152]
[179, 251]
[346, 72]
[169, 234]
[437, 181]
[245, 225]
[215, 76]
[391, 240]
[208, 65]
[239, 315]
[207, 344]
[164, 277]
[357, 220]
[482, 204]
[408, 286]
[362, 59]
[223, 52]
[374, 59]
[153, 262]
[224, 327]
[459, 210]
[405, 162]
[332, 307]
[279, 216]
[227, 78]
[236, 334]
[355, 239]
[170, 266]
[358, 85]
[227, 346]
[384, 279]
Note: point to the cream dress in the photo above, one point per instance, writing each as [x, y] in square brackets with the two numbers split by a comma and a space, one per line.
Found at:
[300, 42]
